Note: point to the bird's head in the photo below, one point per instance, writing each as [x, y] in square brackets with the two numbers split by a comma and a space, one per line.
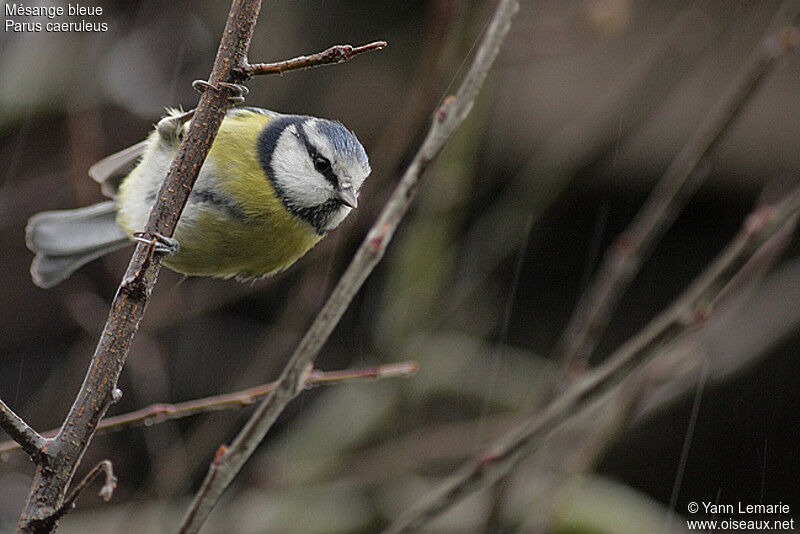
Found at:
[316, 166]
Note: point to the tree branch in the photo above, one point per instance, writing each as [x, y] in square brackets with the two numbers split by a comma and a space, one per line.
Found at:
[670, 377]
[25, 437]
[576, 144]
[163, 412]
[679, 182]
[690, 310]
[334, 54]
[96, 393]
[106, 490]
[446, 119]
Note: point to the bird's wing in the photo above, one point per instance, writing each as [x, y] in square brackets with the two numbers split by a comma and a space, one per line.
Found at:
[110, 171]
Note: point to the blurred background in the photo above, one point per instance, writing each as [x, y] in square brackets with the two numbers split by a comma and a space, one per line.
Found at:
[585, 108]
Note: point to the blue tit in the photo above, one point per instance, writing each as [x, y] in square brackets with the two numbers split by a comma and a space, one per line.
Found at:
[271, 187]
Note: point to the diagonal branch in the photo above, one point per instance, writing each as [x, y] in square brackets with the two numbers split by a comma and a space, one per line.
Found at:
[677, 372]
[447, 118]
[127, 309]
[679, 182]
[163, 412]
[690, 310]
[27, 438]
[334, 54]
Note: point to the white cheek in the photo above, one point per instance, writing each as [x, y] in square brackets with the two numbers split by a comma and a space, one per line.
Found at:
[296, 177]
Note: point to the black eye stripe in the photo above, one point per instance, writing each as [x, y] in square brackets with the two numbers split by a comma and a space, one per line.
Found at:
[313, 153]
[316, 216]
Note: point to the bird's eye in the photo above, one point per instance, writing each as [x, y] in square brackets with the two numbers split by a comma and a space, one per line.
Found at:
[322, 164]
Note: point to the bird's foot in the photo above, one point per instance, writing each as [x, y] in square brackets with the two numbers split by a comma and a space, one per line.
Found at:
[239, 91]
[167, 246]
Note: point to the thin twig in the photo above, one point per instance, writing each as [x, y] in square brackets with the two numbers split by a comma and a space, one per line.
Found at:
[593, 131]
[679, 182]
[447, 118]
[22, 434]
[667, 379]
[690, 310]
[127, 309]
[331, 56]
[163, 412]
[578, 442]
[334, 54]
[647, 388]
[105, 493]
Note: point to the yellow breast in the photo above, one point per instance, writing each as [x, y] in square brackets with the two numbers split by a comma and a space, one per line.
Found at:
[267, 238]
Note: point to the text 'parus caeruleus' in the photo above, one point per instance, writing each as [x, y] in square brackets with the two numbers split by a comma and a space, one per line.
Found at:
[271, 187]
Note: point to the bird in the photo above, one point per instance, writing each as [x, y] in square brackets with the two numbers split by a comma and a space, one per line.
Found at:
[273, 185]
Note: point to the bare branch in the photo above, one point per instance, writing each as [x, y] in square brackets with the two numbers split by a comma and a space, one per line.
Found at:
[679, 182]
[162, 412]
[127, 309]
[675, 372]
[105, 493]
[690, 310]
[48, 520]
[25, 437]
[580, 141]
[447, 118]
[333, 55]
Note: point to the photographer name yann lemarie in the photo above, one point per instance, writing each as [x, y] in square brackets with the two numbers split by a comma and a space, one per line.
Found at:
[51, 12]
[742, 508]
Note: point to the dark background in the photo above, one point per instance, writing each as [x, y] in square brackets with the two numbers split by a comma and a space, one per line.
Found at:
[588, 103]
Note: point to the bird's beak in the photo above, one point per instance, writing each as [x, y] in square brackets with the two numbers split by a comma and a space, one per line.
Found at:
[346, 195]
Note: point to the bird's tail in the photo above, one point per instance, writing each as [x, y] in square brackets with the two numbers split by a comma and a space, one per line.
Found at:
[65, 240]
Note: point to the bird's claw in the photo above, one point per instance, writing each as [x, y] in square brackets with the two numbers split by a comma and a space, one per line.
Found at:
[167, 246]
[239, 91]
